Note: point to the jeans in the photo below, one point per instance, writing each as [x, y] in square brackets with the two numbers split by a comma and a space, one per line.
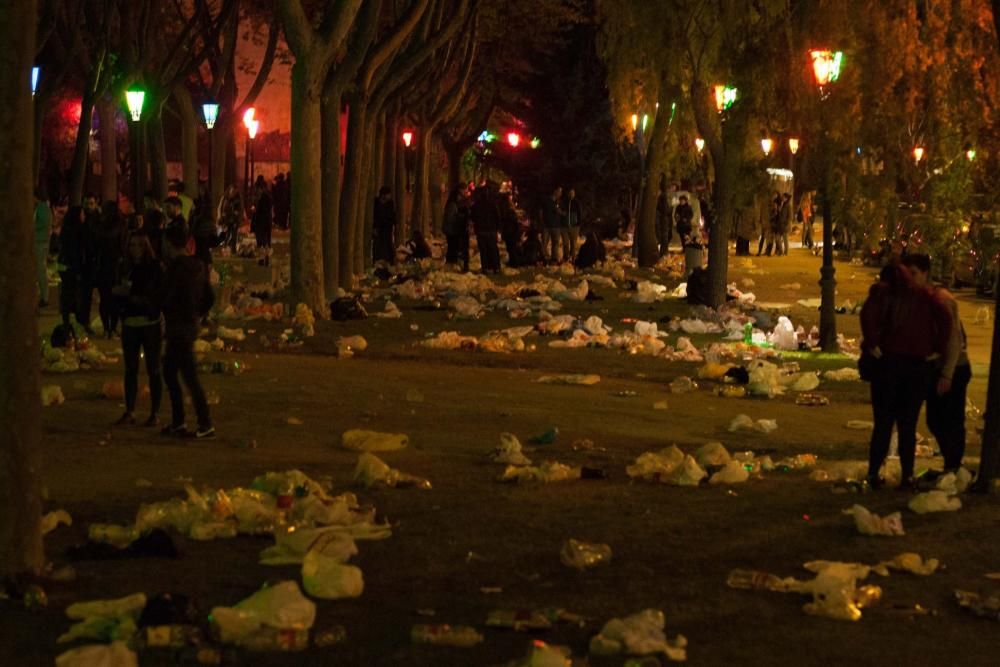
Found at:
[178, 359]
[74, 297]
[897, 392]
[108, 307]
[41, 273]
[566, 239]
[574, 240]
[551, 239]
[489, 252]
[148, 339]
[512, 241]
[946, 417]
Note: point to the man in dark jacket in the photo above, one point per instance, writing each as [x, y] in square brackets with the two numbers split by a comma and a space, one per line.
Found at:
[187, 299]
[486, 223]
[571, 224]
[684, 219]
[383, 227]
[552, 214]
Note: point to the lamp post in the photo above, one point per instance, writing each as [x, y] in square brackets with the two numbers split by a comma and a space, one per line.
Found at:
[699, 143]
[247, 122]
[514, 139]
[252, 134]
[210, 112]
[134, 99]
[765, 145]
[826, 68]
[35, 72]
[793, 148]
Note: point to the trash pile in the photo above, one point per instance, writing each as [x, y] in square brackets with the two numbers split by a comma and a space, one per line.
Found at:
[76, 356]
[712, 462]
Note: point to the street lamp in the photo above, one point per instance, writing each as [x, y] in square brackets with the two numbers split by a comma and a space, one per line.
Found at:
[514, 139]
[826, 69]
[635, 122]
[970, 154]
[35, 71]
[793, 145]
[248, 121]
[918, 154]
[252, 133]
[793, 148]
[535, 142]
[210, 112]
[407, 138]
[725, 97]
[766, 144]
[134, 99]
[699, 143]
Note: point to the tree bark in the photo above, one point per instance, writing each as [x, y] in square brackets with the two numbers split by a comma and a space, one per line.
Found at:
[189, 141]
[307, 191]
[377, 181]
[352, 186]
[331, 189]
[107, 114]
[399, 179]
[454, 153]
[157, 152]
[393, 136]
[366, 210]
[21, 549]
[421, 182]
[81, 151]
[645, 228]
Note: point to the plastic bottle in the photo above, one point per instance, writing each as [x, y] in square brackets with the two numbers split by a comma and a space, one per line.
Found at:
[748, 333]
[445, 635]
[754, 580]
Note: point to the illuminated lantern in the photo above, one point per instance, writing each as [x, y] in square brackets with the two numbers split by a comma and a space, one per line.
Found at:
[725, 96]
[134, 100]
[35, 71]
[699, 144]
[536, 142]
[407, 138]
[918, 154]
[826, 66]
[766, 145]
[211, 112]
[252, 128]
[513, 138]
[970, 154]
[248, 117]
[793, 145]
[645, 121]
[635, 122]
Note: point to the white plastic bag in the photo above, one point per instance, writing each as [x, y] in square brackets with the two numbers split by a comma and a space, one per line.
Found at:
[115, 654]
[327, 578]
[360, 440]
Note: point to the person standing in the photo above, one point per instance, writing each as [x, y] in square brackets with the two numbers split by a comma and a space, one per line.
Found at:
[805, 217]
[263, 219]
[571, 238]
[510, 230]
[43, 238]
[486, 224]
[187, 204]
[384, 227]
[904, 328]
[551, 219]
[455, 225]
[142, 333]
[109, 241]
[204, 231]
[88, 249]
[282, 196]
[683, 220]
[231, 215]
[187, 299]
[784, 223]
[947, 392]
[73, 262]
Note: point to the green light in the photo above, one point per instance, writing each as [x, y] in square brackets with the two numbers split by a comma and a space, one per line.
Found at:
[645, 121]
[134, 99]
[725, 97]
[673, 112]
[487, 137]
[535, 142]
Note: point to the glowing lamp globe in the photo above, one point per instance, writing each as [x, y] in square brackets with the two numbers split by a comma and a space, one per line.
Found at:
[725, 97]
[699, 143]
[793, 145]
[766, 145]
[248, 117]
[536, 142]
[635, 122]
[210, 110]
[513, 138]
[35, 71]
[407, 138]
[826, 66]
[918, 154]
[970, 154]
[252, 128]
[134, 100]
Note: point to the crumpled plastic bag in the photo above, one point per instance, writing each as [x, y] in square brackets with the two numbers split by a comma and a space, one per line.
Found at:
[467, 307]
[451, 340]
[330, 579]
[391, 311]
[712, 454]
[509, 451]
[52, 394]
[803, 382]
[656, 466]
[688, 473]
[582, 555]
[783, 337]
[359, 440]
[281, 606]
[115, 654]
[372, 470]
[304, 320]
[955, 482]
[909, 562]
[733, 472]
[639, 634]
[290, 547]
[226, 333]
[713, 371]
[648, 292]
[934, 501]
[541, 654]
[764, 380]
[547, 471]
[746, 423]
[846, 374]
[107, 620]
[571, 378]
[53, 520]
[835, 592]
[348, 345]
[869, 523]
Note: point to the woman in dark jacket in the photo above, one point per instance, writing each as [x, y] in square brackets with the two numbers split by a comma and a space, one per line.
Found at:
[140, 295]
[904, 329]
[109, 240]
[74, 251]
[486, 223]
[456, 227]
[510, 230]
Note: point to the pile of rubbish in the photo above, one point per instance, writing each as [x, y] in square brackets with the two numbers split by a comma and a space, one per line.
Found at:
[712, 462]
[77, 355]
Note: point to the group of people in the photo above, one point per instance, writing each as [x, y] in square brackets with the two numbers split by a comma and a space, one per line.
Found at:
[270, 206]
[769, 222]
[675, 212]
[151, 271]
[913, 352]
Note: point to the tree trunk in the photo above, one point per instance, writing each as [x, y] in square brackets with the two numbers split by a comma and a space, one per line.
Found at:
[352, 187]
[81, 151]
[21, 548]
[421, 182]
[189, 141]
[377, 178]
[41, 104]
[219, 145]
[366, 212]
[157, 153]
[400, 186]
[393, 135]
[436, 200]
[107, 114]
[331, 190]
[454, 153]
[307, 192]
[645, 227]
[727, 170]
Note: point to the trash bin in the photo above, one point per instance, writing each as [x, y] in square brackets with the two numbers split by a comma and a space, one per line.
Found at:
[694, 257]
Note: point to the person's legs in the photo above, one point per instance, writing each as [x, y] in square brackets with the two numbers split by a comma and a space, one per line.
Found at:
[67, 295]
[152, 345]
[41, 272]
[131, 341]
[189, 373]
[451, 254]
[564, 236]
[911, 387]
[574, 240]
[171, 367]
[760, 245]
[882, 398]
[84, 300]
[946, 417]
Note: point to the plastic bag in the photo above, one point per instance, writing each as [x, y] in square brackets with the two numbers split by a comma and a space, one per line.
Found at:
[639, 634]
[115, 654]
[53, 520]
[509, 451]
[846, 374]
[548, 471]
[372, 470]
[391, 311]
[466, 307]
[934, 501]
[107, 620]
[746, 423]
[804, 382]
[348, 345]
[226, 333]
[656, 466]
[359, 440]
[733, 472]
[280, 606]
[52, 394]
[764, 380]
[569, 379]
[869, 523]
[582, 555]
[783, 337]
[290, 547]
[712, 454]
[330, 579]
[955, 482]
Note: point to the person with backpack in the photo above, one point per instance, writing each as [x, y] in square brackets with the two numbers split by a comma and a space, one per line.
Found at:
[187, 299]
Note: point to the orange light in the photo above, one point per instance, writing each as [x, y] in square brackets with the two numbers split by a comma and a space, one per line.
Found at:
[918, 154]
[699, 143]
[766, 145]
[513, 138]
[407, 138]
[635, 122]
[826, 66]
[793, 145]
[248, 117]
[252, 128]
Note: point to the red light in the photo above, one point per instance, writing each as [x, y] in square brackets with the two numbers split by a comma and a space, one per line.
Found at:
[407, 138]
[513, 138]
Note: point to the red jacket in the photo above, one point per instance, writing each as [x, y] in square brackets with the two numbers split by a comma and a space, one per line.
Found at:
[910, 321]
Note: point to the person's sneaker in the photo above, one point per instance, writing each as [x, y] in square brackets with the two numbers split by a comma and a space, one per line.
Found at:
[152, 421]
[125, 420]
[205, 433]
[875, 483]
[174, 430]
